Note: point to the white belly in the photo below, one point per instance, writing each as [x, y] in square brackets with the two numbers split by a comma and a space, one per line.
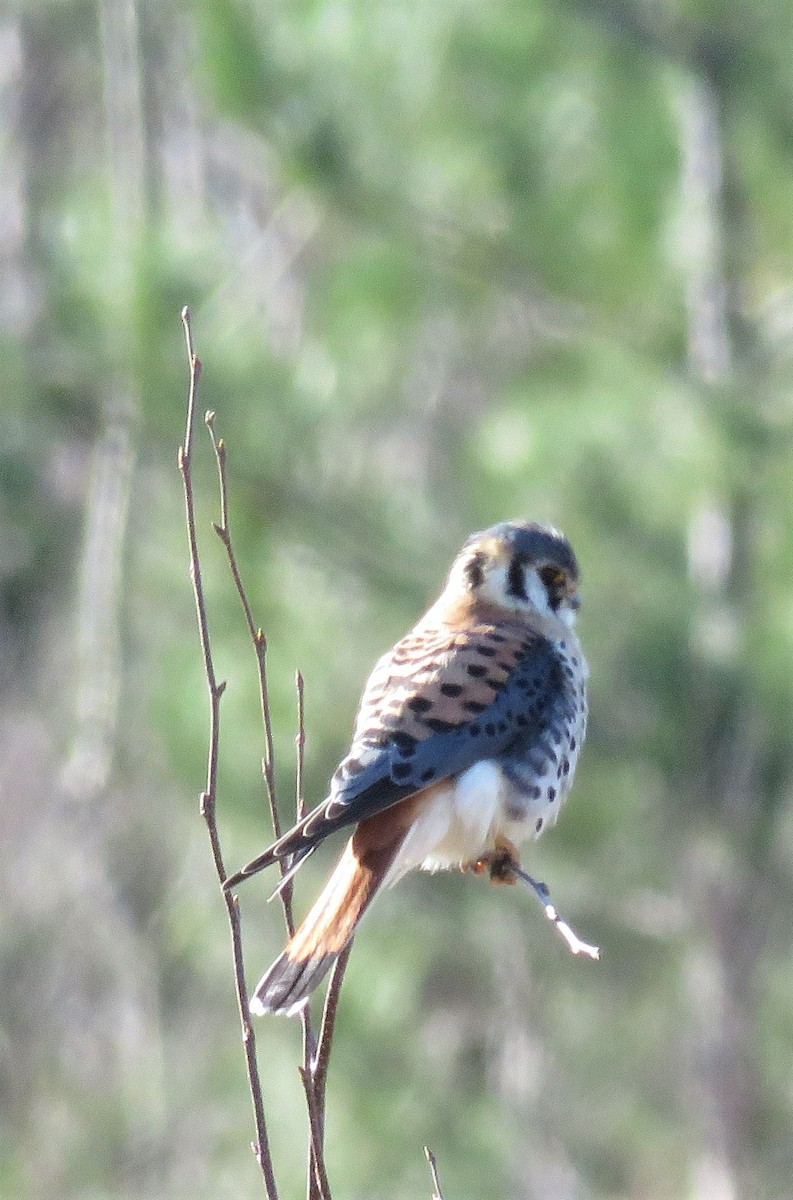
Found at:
[461, 821]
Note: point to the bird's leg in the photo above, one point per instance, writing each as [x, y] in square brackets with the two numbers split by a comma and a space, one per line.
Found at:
[502, 862]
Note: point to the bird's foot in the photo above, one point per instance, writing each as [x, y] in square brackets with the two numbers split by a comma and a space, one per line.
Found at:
[477, 867]
[502, 862]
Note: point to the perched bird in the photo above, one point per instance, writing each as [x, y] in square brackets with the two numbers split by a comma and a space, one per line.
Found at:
[465, 745]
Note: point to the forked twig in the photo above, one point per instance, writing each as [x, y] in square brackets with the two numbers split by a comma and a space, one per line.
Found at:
[316, 1052]
[318, 1186]
[261, 1147]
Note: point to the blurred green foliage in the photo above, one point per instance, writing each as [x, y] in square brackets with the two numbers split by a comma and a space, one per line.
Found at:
[447, 264]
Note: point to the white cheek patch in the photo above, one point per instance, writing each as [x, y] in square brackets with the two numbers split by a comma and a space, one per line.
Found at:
[536, 590]
[496, 588]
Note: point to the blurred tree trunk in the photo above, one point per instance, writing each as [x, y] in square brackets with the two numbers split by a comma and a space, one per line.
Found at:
[726, 876]
[100, 985]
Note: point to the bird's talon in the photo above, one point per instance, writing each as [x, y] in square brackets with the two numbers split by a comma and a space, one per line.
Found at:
[477, 867]
[502, 864]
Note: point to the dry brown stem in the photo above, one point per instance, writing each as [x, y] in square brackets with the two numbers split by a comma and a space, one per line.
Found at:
[316, 1052]
[261, 1147]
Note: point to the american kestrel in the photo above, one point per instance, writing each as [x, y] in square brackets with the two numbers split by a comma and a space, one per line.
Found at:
[465, 745]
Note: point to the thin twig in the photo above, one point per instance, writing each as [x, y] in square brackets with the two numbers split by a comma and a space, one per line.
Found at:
[316, 1060]
[309, 1045]
[318, 1186]
[261, 1147]
[321, 1060]
[316, 1057]
[569, 936]
[300, 744]
[437, 1194]
[257, 635]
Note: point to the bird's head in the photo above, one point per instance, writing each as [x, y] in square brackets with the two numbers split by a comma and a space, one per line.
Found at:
[520, 567]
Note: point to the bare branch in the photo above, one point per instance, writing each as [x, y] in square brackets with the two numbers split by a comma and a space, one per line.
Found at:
[314, 1074]
[318, 1185]
[300, 744]
[313, 1082]
[261, 1147]
[259, 641]
[322, 1057]
[257, 635]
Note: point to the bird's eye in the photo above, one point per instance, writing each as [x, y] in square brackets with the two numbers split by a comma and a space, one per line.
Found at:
[552, 577]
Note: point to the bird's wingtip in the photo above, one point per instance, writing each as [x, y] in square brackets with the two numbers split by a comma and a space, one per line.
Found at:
[252, 868]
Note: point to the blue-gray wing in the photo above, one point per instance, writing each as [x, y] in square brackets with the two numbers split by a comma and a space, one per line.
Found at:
[437, 703]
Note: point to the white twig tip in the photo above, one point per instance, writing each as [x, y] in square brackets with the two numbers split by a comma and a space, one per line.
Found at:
[437, 1194]
[568, 935]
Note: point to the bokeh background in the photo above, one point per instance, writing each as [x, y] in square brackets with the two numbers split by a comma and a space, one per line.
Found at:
[447, 263]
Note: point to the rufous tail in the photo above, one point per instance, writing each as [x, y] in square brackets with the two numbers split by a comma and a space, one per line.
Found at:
[332, 921]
